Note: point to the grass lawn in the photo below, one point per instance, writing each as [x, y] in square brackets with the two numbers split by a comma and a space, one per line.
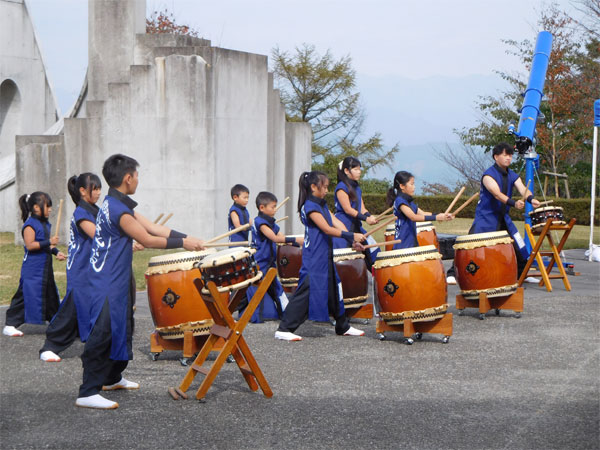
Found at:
[11, 255]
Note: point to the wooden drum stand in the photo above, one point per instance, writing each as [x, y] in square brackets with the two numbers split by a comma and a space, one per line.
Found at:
[230, 331]
[513, 302]
[443, 325]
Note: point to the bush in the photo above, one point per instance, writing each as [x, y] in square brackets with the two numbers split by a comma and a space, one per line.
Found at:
[579, 208]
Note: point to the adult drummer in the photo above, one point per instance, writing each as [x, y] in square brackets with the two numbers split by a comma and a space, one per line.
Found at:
[495, 194]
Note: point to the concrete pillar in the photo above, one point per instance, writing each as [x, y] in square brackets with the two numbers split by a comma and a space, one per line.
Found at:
[298, 139]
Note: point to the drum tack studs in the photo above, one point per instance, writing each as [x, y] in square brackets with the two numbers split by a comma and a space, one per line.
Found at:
[445, 339]
[481, 316]
[381, 336]
[418, 336]
[409, 341]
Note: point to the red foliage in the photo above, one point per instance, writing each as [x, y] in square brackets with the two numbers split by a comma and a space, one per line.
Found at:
[164, 22]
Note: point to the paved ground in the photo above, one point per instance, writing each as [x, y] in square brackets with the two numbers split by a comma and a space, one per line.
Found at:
[502, 383]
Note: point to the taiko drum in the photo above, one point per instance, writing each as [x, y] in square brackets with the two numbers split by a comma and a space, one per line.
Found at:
[289, 262]
[426, 235]
[485, 262]
[230, 269]
[410, 284]
[388, 235]
[352, 270]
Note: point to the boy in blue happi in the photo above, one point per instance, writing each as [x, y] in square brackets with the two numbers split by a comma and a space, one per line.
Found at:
[318, 294]
[407, 212]
[350, 207]
[238, 214]
[491, 214]
[36, 299]
[73, 316]
[265, 236]
[108, 348]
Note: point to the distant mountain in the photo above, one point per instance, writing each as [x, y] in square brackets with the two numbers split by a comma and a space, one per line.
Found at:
[420, 115]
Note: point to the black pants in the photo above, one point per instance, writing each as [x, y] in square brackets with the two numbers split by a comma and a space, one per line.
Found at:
[15, 314]
[98, 369]
[63, 329]
[296, 312]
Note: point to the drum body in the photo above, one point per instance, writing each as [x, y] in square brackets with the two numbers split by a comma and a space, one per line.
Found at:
[426, 235]
[289, 262]
[352, 270]
[540, 216]
[485, 262]
[175, 304]
[230, 269]
[390, 233]
[411, 284]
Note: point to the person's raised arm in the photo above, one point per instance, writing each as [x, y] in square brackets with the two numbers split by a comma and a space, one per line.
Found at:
[420, 216]
[334, 231]
[235, 219]
[526, 194]
[133, 228]
[368, 217]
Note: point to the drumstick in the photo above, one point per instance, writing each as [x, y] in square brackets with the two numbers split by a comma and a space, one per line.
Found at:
[384, 213]
[526, 189]
[166, 219]
[60, 205]
[465, 204]
[225, 244]
[455, 200]
[159, 217]
[381, 244]
[547, 202]
[282, 219]
[229, 233]
[282, 203]
[379, 227]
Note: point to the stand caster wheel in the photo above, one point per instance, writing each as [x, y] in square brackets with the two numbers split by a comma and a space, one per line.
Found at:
[481, 316]
[183, 362]
[497, 312]
[365, 322]
[445, 339]
[517, 315]
[381, 337]
[418, 336]
[230, 359]
[460, 312]
[154, 356]
[409, 341]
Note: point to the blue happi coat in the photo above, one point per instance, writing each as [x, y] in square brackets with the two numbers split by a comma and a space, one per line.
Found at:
[110, 272]
[78, 261]
[36, 272]
[491, 214]
[317, 258]
[244, 218]
[265, 256]
[406, 229]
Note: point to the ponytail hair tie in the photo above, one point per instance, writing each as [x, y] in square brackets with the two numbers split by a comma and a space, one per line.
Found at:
[341, 164]
[27, 198]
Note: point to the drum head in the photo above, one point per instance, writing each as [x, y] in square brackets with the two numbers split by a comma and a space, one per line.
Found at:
[173, 262]
[470, 241]
[548, 208]
[405, 255]
[425, 226]
[227, 256]
[344, 254]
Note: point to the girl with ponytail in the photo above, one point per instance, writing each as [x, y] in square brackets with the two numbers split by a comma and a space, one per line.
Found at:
[349, 206]
[317, 296]
[73, 317]
[406, 210]
[36, 299]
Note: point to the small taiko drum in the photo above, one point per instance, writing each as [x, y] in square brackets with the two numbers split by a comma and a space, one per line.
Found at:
[230, 269]
[485, 263]
[352, 270]
[388, 235]
[410, 284]
[175, 304]
[426, 235]
[289, 262]
[540, 216]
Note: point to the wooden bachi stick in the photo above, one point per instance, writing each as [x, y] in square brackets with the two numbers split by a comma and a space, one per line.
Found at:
[60, 206]
[225, 244]
[166, 219]
[455, 200]
[381, 244]
[379, 227]
[384, 213]
[282, 219]
[159, 217]
[229, 233]
[465, 204]
[282, 203]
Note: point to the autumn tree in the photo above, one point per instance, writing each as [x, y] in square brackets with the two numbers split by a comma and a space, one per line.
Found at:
[321, 90]
[164, 22]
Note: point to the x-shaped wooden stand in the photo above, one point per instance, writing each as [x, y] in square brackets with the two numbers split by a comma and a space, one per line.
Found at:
[226, 327]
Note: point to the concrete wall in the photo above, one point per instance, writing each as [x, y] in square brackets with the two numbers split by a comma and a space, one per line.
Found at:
[27, 104]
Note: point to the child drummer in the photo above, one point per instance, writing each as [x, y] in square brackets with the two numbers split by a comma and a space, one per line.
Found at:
[265, 236]
[491, 214]
[238, 214]
[108, 348]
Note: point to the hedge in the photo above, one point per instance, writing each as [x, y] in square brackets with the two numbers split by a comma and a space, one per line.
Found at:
[576, 207]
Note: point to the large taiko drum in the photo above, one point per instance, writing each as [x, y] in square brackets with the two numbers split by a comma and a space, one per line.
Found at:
[230, 269]
[410, 284]
[352, 270]
[289, 262]
[388, 235]
[485, 263]
[426, 235]
[540, 216]
[175, 304]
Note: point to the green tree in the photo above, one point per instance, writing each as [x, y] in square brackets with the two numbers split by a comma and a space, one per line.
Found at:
[321, 90]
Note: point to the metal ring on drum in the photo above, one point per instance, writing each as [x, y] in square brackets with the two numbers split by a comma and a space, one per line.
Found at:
[540, 216]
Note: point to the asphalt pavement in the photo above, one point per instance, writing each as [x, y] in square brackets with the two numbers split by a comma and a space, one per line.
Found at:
[500, 383]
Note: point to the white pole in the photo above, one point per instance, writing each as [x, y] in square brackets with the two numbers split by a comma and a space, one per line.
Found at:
[594, 158]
